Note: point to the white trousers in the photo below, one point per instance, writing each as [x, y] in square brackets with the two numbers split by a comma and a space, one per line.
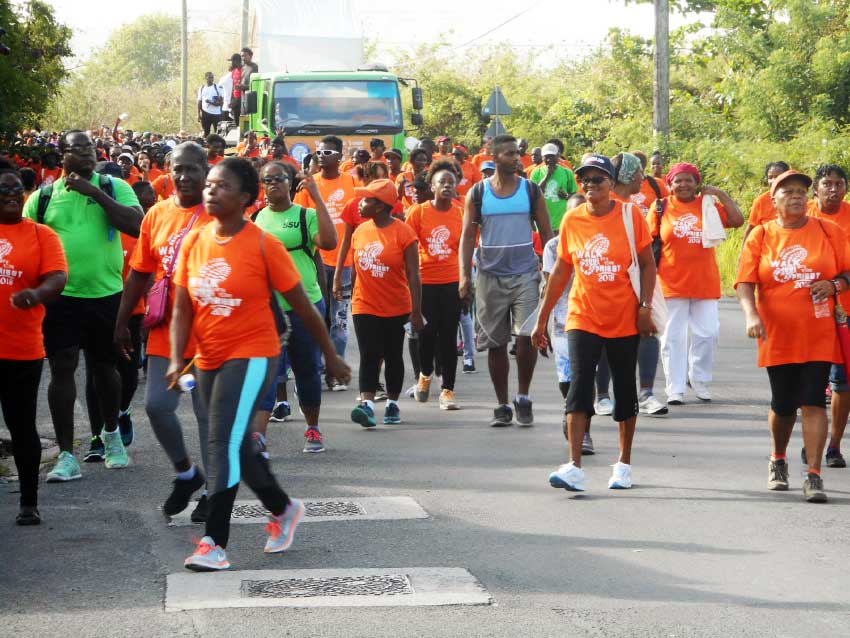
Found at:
[697, 361]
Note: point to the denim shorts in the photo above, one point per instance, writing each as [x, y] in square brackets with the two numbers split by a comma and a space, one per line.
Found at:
[838, 378]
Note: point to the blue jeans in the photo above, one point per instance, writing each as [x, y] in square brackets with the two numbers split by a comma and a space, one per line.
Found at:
[338, 310]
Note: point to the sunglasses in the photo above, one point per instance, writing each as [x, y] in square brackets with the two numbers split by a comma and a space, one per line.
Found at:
[326, 153]
[11, 190]
[597, 180]
[274, 179]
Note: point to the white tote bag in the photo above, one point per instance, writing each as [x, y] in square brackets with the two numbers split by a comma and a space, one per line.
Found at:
[659, 305]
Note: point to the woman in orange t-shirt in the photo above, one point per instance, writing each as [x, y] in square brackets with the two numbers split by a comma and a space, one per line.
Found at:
[438, 225]
[763, 210]
[387, 292]
[419, 160]
[226, 277]
[34, 271]
[690, 280]
[797, 263]
[594, 242]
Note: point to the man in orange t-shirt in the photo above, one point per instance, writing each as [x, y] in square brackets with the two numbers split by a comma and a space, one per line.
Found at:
[484, 155]
[524, 158]
[471, 175]
[336, 189]
[444, 148]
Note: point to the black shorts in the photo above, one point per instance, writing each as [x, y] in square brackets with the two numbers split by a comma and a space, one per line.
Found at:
[794, 385]
[82, 323]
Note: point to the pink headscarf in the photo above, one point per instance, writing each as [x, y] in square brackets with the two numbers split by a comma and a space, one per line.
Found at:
[680, 168]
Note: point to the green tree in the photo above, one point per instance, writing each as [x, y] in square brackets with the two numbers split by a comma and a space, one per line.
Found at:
[31, 74]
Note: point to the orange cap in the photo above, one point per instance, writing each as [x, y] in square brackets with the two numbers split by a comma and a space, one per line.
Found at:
[786, 176]
[382, 189]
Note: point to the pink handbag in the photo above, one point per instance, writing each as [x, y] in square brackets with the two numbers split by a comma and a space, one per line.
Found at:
[156, 301]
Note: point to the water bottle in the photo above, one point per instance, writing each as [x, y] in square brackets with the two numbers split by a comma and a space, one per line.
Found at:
[821, 307]
[186, 383]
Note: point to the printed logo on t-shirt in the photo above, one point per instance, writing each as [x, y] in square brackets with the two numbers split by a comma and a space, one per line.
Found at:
[687, 227]
[8, 273]
[552, 188]
[166, 251]
[790, 267]
[335, 203]
[208, 291]
[593, 260]
[437, 243]
[369, 262]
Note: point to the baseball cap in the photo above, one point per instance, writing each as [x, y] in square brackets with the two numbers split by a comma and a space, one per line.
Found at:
[488, 165]
[382, 189]
[549, 149]
[127, 155]
[459, 147]
[393, 151]
[597, 161]
[784, 177]
[443, 138]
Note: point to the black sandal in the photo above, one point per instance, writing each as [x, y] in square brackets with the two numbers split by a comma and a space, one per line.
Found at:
[28, 516]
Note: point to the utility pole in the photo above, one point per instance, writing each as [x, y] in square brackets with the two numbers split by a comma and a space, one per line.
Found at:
[661, 119]
[245, 42]
[184, 64]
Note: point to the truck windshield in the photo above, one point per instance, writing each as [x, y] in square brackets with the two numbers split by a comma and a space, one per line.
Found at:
[346, 104]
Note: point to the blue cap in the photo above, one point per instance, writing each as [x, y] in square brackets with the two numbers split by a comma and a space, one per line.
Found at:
[601, 162]
[488, 165]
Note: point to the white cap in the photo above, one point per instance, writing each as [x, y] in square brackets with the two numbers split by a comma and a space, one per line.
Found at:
[549, 149]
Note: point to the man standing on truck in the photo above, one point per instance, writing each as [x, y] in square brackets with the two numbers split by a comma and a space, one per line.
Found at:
[248, 68]
[336, 189]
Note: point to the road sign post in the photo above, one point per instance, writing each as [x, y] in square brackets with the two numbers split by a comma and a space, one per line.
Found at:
[496, 106]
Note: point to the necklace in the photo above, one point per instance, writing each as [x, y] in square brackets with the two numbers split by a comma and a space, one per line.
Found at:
[222, 241]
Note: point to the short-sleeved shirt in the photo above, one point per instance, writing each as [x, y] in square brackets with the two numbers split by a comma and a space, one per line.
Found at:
[408, 193]
[762, 210]
[381, 287]
[471, 176]
[647, 195]
[208, 93]
[438, 233]
[686, 269]
[784, 263]
[335, 193]
[163, 186]
[229, 287]
[92, 246]
[162, 229]
[129, 245]
[286, 226]
[28, 251]
[562, 179]
[602, 300]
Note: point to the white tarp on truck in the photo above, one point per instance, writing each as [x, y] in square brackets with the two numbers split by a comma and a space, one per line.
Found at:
[305, 35]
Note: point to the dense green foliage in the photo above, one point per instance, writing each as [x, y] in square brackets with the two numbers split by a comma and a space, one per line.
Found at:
[30, 75]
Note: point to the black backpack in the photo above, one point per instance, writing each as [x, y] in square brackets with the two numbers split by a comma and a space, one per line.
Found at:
[46, 192]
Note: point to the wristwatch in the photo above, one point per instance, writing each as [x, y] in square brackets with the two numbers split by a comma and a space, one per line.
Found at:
[646, 305]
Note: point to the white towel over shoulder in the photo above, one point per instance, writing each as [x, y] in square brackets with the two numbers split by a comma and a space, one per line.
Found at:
[713, 233]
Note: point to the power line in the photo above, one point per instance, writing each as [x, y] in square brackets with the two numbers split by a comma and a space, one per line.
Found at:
[499, 26]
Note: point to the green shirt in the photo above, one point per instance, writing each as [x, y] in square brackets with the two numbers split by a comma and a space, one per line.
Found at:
[562, 179]
[286, 226]
[92, 245]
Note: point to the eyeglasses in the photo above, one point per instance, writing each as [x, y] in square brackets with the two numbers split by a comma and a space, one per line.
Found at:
[326, 152]
[597, 180]
[11, 190]
[274, 179]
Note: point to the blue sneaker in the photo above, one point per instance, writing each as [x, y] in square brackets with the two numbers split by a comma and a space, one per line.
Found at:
[392, 415]
[282, 528]
[364, 415]
[125, 426]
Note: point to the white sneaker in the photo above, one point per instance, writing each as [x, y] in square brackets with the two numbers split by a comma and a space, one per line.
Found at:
[411, 391]
[651, 406]
[675, 399]
[701, 390]
[621, 477]
[208, 557]
[568, 477]
[604, 407]
[339, 387]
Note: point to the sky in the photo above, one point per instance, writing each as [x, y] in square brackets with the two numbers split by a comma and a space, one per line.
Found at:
[567, 28]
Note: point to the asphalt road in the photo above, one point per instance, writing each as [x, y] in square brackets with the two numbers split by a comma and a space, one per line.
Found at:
[698, 547]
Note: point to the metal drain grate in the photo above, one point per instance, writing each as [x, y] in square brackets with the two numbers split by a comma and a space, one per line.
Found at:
[382, 585]
[313, 508]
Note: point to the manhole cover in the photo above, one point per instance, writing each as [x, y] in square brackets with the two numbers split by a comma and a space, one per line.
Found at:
[313, 508]
[383, 585]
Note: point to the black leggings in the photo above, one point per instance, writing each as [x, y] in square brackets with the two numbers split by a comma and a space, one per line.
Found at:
[380, 339]
[794, 385]
[441, 308]
[128, 371]
[19, 382]
[232, 394]
[585, 350]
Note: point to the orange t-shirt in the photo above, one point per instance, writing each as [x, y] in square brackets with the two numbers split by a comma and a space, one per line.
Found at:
[155, 172]
[762, 210]
[408, 193]
[286, 159]
[346, 165]
[601, 300]
[526, 161]
[783, 263]
[530, 169]
[471, 176]
[214, 161]
[129, 244]
[686, 269]
[48, 175]
[646, 197]
[135, 176]
[480, 158]
[842, 217]
[28, 251]
[438, 233]
[162, 228]
[566, 164]
[228, 284]
[248, 153]
[380, 287]
[163, 186]
[335, 193]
